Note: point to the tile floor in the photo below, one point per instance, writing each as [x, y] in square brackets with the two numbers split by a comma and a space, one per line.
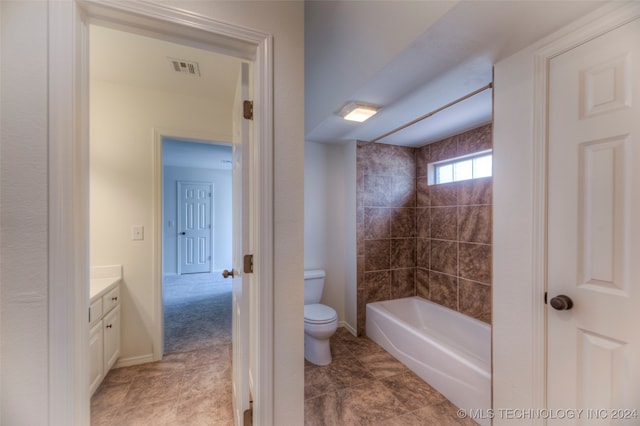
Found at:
[191, 386]
[365, 385]
[185, 388]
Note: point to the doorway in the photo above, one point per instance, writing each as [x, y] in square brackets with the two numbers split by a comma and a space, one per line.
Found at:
[69, 169]
[126, 107]
[196, 244]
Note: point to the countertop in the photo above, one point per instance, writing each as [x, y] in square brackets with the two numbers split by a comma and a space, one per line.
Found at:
[102, 279]
[99, 286]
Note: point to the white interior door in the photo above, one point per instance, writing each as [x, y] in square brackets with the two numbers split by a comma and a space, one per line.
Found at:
[241, 245]
[194, 227]
[594, 228]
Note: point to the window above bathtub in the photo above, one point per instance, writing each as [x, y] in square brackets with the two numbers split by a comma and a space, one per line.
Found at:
[473, 166]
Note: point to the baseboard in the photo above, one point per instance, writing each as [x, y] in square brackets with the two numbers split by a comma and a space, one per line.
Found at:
[348, 327]
[136, 360]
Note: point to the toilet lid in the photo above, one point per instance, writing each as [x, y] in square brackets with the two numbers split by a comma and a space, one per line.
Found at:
[319, 314]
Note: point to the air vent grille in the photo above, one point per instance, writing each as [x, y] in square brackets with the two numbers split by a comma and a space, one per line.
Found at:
[185, 67]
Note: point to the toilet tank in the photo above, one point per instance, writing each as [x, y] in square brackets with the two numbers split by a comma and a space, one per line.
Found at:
[313, 285]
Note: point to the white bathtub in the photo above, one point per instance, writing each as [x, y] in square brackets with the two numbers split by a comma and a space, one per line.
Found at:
[450, 351]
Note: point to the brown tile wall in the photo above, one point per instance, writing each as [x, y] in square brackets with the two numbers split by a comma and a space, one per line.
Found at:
[415, 239]
[386, 224]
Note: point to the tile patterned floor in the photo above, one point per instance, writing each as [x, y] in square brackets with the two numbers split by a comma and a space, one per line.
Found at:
[185, 388]
[365, 385]
[191, 386]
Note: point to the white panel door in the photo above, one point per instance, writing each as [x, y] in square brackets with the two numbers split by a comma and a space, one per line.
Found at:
[241, 288]
[194, 227]
[594, 229]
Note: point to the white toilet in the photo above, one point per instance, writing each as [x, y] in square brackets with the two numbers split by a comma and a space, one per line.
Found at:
[320, 321]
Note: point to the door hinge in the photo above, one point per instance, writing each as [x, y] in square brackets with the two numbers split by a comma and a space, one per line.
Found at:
[248, 264]
[247, 110]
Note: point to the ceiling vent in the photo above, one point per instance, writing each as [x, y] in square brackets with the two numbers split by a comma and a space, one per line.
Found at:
[185, 67]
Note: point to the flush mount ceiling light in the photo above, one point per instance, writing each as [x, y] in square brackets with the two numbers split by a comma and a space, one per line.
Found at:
[356, 111]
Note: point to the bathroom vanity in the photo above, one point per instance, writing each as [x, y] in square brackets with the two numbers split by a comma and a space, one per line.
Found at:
[104, 322]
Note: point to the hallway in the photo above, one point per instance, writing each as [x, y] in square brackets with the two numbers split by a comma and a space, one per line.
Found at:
[192, 384]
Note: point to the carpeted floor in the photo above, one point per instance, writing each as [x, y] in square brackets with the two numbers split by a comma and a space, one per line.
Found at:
[197, 311]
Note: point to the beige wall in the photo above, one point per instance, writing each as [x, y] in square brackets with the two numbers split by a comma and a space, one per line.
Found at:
[329, 223]
[23, 214]
[122, 188]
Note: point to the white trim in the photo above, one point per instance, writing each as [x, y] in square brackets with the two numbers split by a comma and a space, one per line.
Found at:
[68, 194]
[68, 219]
[603, 20]
[134, 360]
[157, 244]
[262, 293]
[190, 135]
[539, 243]
[348, 327]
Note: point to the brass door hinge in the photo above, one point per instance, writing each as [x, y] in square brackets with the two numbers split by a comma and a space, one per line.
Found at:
[248, 264]
[247, 110]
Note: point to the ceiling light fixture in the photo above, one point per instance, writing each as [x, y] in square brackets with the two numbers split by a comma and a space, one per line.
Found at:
[356, 111]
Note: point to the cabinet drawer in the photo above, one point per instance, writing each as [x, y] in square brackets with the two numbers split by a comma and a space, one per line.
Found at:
[95, 312]
[111, 299]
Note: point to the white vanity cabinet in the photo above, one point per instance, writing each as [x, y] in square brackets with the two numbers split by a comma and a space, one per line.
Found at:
[96, 357]
[104, 329]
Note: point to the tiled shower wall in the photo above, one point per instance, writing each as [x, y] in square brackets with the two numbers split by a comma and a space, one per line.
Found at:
[386, 224]
[416, 239]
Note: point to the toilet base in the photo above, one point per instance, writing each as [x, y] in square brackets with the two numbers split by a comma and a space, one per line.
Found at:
[317, 351]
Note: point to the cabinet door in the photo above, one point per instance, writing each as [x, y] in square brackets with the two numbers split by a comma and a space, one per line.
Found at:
[96, 354]
[111, 324]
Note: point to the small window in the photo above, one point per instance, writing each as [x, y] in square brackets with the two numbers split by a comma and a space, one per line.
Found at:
[462, 168]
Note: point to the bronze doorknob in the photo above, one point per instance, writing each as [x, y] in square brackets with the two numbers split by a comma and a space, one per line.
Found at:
[561, 303]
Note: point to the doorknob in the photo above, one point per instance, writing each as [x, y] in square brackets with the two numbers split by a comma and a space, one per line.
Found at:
[561, 303]
[183, 233]
[227, 274]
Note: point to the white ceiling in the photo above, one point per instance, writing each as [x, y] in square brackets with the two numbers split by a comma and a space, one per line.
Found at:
[411, 57]
[364, 51]
[141, 61]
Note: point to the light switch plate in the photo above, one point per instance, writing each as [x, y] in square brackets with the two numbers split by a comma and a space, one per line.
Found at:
[137, 232]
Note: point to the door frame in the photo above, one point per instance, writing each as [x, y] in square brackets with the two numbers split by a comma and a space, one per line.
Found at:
[69, 190]
[159, 134]
[606, 19]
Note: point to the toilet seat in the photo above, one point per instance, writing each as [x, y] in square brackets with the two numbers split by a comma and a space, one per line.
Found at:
[319, 314]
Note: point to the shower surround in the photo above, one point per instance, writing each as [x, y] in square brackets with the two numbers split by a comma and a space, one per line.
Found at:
[415, 239]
